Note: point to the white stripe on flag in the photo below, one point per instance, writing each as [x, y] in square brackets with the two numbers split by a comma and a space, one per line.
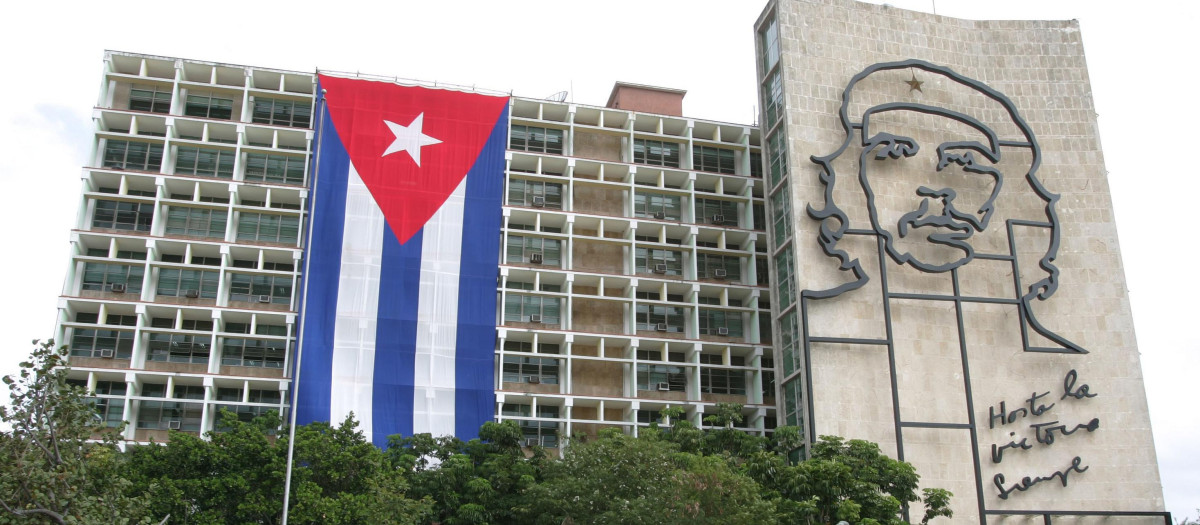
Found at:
[437, 318]
[353, 365]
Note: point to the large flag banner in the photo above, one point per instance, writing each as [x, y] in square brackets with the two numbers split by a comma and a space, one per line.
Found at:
[398, 320]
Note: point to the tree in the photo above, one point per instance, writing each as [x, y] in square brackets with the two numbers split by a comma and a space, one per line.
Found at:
[54, 471]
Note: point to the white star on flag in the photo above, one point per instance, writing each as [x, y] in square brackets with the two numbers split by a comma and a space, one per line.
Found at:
[409, 138]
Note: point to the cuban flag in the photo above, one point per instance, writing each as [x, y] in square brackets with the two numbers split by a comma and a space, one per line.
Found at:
[398, 312]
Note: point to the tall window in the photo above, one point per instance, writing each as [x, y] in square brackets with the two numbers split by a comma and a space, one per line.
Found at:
[533, 138]
[110, 411]
[718, 160]
[260, 353]
[781, 212]
[768, 377]
[266, 227]
[720, 322]
[519, 369]
[275, 289]
[132, 155]
[150, 98]
[88, 342]
[536, 432]
[112, 277]
[281, 112]
[716, 211]
[769, 40]
[208, 106]
[772, 97]
[196, 222]
[191, 284]
[712, 266]
[777, 149]
[274, 168]
[179, 348]
[522, 308]
[534, 193]
[133, 216]
[656, 152]
[722, 380]
[660, 318]
[657, 206]
[756, 165]
[521, 249]
[656, 261]
[204, 162]
[786, 287]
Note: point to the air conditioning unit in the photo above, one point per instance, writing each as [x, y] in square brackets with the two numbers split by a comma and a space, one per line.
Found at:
[660, 215]
[107, 353]
[535, 318]
[720, 273]
[191, 294]
[264, 298]
[722, 331]
[173, 425]
[539, 201]
[118, 287]
[664, 386]
[660, 268]
[718, 219]
[533, 380]
[535, 258]
[662, 327]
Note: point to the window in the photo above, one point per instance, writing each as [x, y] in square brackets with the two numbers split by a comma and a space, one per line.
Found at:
[245, 414]
[206, 261]
[266, 227]
[768, 377]
[112, 277]
[208, 106]
[522, 249]
[777, 149]
[760, 221]
[280, 169]
[121, 254]
[149, 98]
[196, 222]
[191, 284]
[534, 193]
[781, 212]
[715, 211]
[519, 369]
[711, 266]
[543, 433]
[656, 152]
[131, 155]
[772, 99]
[229, 394]
[261, 353]
[762, 273]
[179, 348]
[532, 138]
[722, 380]
[164, 415]
[785, 288]
[110, 412]
[282, 112]
[713, 321]
[769, 40]
[756, 165]
[519, 308]
[653, 317]
[526, 346]
[652, 260]
[789, 337]
[717, 160]
[264, 396]
[189, 392]
[656, 206]
[154, 390]
[101, 343]
[110, 388]
[205, 162]
[131, 216]
[275, 289]
[646, 415]
[667, 378]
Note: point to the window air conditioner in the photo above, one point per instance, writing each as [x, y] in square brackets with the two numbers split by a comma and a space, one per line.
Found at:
[662, 327]
[533, 380]
[660, 215]
[173, 425]
[107, 352]
[660, 268]
[535, 257]
[191, 294]
[535, 318]
[718, 219]
[722, 331]
[664, 386]
[720, 273]
[264, 298]
[118, 287]
[539, 201]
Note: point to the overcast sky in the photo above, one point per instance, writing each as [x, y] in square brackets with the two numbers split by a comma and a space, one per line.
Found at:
[1136, 56]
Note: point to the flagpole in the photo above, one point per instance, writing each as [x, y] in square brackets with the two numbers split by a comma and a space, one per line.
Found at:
[312, 206]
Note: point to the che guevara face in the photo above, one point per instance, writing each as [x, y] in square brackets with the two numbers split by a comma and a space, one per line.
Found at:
[931, 183]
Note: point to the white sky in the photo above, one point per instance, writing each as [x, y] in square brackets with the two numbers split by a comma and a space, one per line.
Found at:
[1136, 55]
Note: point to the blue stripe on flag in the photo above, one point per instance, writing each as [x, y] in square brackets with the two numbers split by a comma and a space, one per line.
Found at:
[395, 343]
[475, 399]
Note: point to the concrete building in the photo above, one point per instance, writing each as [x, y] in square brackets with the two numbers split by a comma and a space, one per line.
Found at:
[633, 269]
[948, 281]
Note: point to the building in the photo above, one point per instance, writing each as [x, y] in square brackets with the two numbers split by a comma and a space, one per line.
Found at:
[948, 281]
[633, 269]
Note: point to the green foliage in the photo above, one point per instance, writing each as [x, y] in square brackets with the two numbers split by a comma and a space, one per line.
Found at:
[53, 471]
